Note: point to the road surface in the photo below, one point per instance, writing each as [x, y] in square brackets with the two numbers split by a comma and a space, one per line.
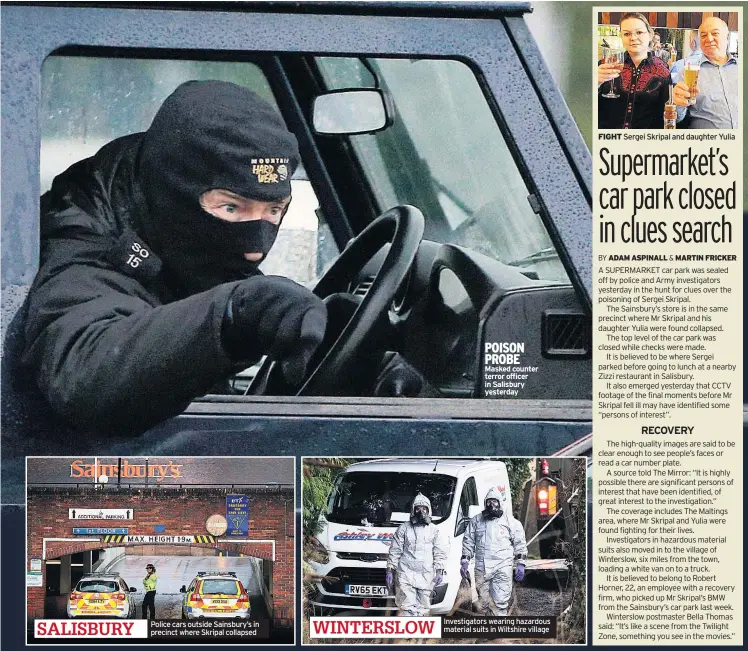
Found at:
[175, 571]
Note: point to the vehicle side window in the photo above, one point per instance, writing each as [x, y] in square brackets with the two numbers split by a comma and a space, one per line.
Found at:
[469, 497]
[192, 585]
[446, 154]
[472, 491]
[89, 101]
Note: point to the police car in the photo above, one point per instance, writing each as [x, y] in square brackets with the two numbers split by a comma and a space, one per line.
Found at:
[101, 594]
[215, 595]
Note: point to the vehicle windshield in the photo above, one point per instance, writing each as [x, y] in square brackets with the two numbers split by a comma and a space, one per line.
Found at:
[384, 499]
[97, 585]
[220, 586]
[445, 154]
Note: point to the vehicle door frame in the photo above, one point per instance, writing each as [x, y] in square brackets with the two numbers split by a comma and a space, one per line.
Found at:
[479, 38]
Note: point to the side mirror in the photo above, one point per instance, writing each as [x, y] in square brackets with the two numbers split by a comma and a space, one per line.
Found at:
[183, 589]
[351, 111]
[133, 589]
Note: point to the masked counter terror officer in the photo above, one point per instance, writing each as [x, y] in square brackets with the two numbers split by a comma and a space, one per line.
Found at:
[149, 585]
[495, 539]
[149, 292]
[416, 561]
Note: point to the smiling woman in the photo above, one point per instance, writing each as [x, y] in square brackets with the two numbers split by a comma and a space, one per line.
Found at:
[639, 84]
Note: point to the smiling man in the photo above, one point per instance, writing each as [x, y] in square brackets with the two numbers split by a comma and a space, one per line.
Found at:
[149, 291]
[716, 104]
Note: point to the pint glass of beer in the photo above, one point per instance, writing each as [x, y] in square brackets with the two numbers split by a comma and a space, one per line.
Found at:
[691, 76]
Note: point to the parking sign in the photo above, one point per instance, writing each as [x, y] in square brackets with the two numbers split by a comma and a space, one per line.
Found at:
[237, 515]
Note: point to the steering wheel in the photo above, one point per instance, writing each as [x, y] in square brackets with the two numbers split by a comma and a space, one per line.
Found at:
[402, 227]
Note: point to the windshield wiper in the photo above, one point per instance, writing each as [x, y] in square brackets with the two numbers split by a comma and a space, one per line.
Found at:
[541, 256]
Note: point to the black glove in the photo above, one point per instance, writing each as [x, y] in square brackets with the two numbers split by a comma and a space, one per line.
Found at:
[274, 316]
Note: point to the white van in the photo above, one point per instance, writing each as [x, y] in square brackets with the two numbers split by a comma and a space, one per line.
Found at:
[370, 500]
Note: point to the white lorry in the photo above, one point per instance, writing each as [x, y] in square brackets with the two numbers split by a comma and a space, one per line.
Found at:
[367, 504]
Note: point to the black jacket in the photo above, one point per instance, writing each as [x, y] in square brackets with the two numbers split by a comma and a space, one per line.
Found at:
[110, 347]
[642, 95]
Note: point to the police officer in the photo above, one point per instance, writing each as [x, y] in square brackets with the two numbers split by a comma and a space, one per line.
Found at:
[416, 562]
[149, 585]
[496, 540]
[149, 292]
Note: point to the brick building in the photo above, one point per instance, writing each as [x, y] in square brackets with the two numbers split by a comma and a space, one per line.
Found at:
[166, 508]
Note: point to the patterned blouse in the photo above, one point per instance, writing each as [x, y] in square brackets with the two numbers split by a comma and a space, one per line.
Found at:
[643, 93]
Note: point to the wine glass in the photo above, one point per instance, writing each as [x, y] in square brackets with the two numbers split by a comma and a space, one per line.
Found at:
[613, 56]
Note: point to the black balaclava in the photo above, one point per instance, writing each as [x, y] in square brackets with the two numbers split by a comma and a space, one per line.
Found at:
[211, 135]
